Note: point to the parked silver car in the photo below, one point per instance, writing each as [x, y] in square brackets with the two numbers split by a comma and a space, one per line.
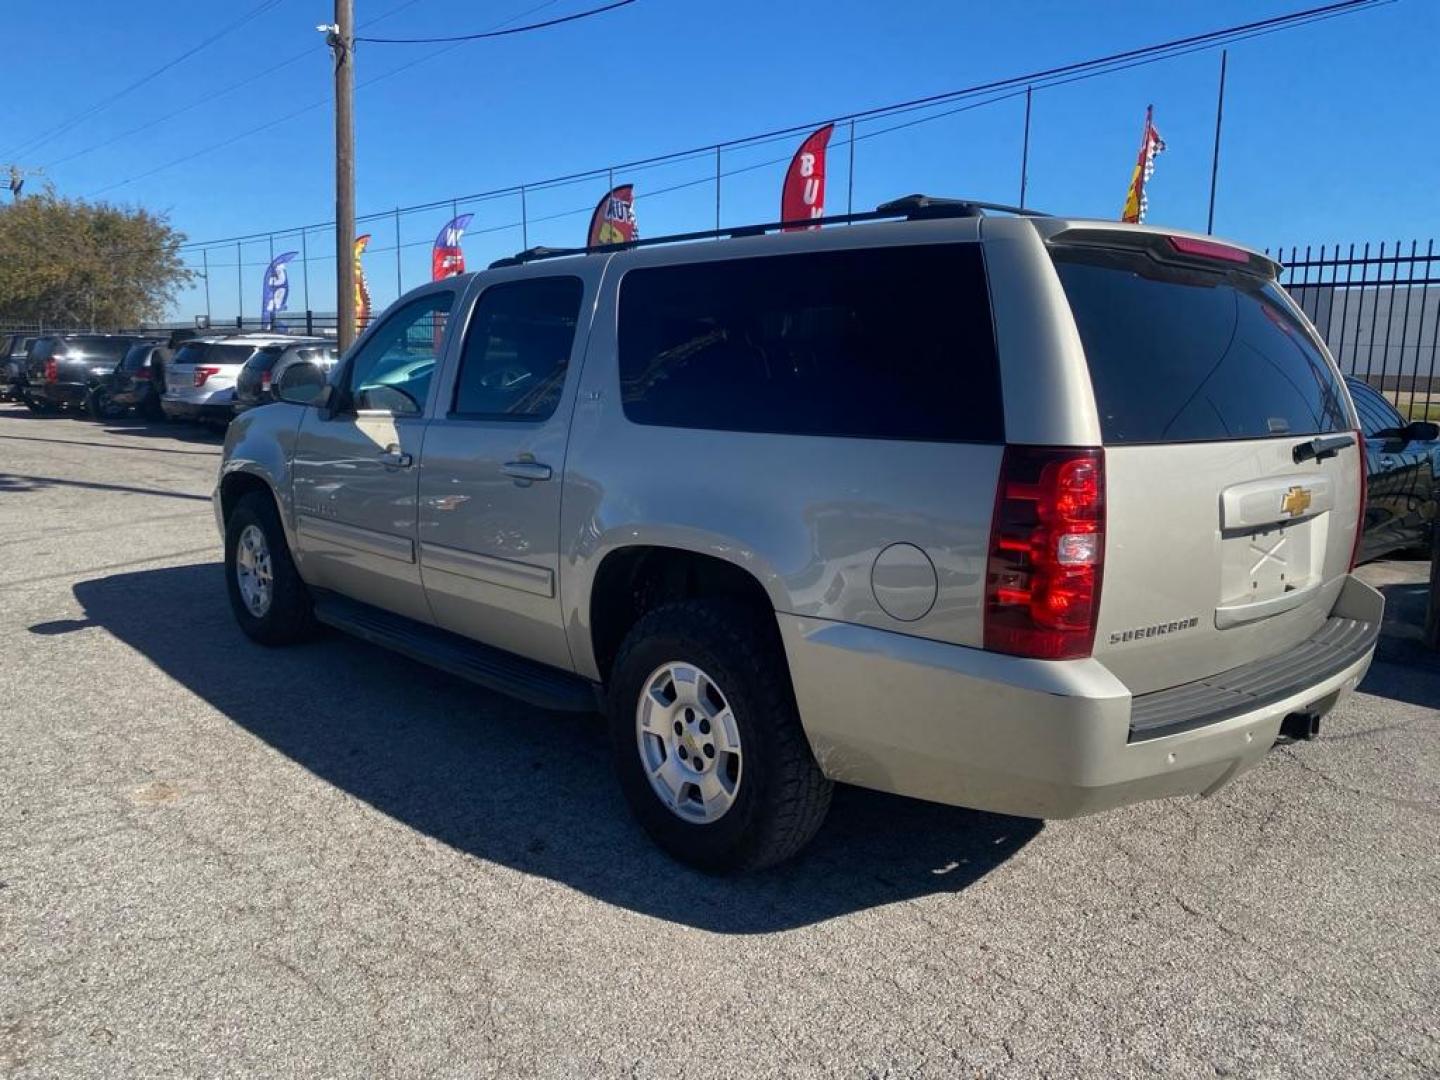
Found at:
[1032, 515]
[200, 378]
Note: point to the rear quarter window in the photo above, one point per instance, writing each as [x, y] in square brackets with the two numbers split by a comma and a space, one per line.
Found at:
[1189, 355]
[879, 343]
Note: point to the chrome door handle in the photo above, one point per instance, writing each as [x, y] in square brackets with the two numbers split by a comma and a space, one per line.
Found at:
[526, 470]
[396, 458]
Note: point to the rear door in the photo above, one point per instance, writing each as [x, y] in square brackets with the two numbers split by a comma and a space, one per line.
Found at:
[1226, 542]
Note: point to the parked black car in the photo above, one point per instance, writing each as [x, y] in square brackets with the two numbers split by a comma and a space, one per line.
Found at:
[12, 364]
[1403, 463]
[62, 370]
[136, 383]
[275, 365]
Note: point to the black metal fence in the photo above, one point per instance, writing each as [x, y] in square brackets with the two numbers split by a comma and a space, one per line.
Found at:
[1378, 309]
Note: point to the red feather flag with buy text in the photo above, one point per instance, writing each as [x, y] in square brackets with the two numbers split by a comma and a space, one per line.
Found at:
[803, 196]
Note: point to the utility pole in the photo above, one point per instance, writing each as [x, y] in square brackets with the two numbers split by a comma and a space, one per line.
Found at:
[341, 38]
[1025, 150]
[15, 176]
[1215, 160]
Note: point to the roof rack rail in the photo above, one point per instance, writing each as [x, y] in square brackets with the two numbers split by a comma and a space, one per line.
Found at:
[909, 207]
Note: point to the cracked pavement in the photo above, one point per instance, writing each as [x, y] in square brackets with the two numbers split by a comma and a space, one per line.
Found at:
[226, 861]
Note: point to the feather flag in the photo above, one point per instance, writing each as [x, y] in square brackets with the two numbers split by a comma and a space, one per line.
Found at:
[803, 195]
[1137, 199]
[362, 289]
[614, 219]
[447, 258]
[275, 292]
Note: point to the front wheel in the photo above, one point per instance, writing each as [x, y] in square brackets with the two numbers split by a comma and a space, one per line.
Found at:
[707, 740]
[269, 599]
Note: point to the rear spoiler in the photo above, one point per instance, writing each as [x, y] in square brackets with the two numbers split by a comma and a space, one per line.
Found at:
[1177, 248]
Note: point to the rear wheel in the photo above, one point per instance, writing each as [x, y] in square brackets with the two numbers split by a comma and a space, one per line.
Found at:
[270, 601]
[34, 404]
[707, 740]
[101, 405]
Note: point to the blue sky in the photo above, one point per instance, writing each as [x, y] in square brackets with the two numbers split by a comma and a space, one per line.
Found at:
[1330, 134]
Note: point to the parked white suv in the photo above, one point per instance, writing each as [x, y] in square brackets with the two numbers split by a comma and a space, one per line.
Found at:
[1032, 515]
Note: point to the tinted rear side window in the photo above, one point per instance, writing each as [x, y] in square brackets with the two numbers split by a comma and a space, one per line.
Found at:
[1376, 414]
[881, 343]
[1188, 355]
[201, 353]
[263, 361]
[135, 357]
[99, 348]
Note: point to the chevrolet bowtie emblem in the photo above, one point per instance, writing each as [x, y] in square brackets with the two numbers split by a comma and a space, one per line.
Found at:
[1296, 501]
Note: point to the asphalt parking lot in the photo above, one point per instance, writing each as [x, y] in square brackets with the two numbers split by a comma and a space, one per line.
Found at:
[226, 861]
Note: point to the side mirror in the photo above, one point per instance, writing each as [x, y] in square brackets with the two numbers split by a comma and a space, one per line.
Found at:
[303, 384]
[1395, 439]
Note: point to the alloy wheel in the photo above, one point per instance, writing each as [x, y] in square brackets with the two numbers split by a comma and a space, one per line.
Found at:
[689, 743]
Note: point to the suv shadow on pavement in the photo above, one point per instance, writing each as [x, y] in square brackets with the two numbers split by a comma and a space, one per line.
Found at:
[505, 782]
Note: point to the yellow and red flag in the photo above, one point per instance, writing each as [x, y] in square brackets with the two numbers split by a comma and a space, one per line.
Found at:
[362, 289]
[614, 219]
[1137, 201]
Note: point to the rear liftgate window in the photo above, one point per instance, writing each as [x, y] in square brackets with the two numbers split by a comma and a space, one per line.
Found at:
[1191, 355]
[879, 343]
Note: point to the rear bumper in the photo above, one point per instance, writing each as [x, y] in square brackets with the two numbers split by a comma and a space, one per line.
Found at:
[193, 410]
[58, 393]
[1035, 738]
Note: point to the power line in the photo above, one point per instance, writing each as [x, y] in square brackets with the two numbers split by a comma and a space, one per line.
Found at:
[296, 112]
[256, 77]
[106, 102]
[1001, 89]
[498, 33]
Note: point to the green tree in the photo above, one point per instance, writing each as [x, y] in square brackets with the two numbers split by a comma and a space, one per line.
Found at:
[71, 263]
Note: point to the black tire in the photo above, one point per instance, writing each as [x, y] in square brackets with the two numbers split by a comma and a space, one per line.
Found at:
[100, 406]
[150, 409]
[36, 405]
[782, 796]
[290, 616]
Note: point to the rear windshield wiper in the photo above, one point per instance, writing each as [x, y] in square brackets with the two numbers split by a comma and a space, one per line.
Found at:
[1320, 449]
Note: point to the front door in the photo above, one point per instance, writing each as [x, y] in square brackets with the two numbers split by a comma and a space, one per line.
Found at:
[1399, 476]
[490, 479]
[355, 470]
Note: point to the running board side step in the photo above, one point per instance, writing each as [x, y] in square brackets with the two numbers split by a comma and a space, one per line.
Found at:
[514, 676]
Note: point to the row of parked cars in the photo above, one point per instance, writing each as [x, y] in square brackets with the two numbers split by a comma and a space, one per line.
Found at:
[206, 379]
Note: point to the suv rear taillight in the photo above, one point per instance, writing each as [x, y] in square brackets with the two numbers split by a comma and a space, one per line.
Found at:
[1364, 496]
[1047, 550]
[52, 370]
[203, 373]
[265, 382]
